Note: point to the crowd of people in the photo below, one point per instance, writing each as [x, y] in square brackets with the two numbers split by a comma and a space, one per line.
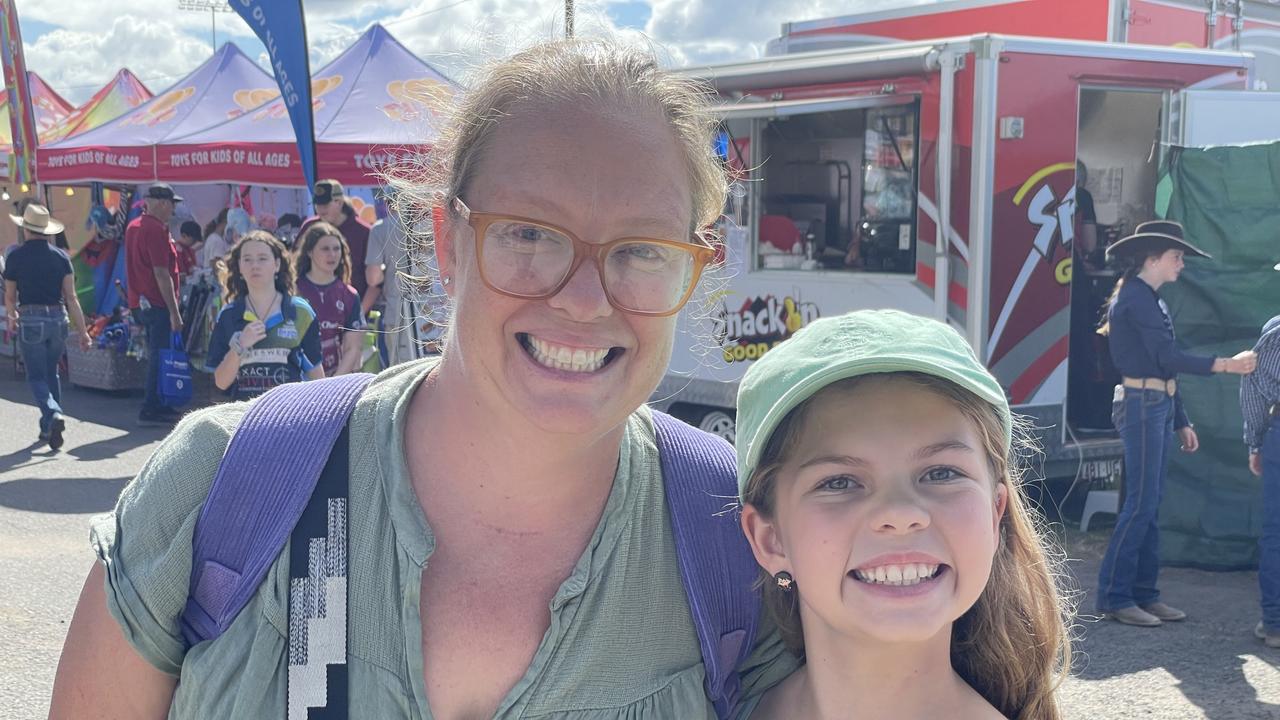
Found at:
[509, 543]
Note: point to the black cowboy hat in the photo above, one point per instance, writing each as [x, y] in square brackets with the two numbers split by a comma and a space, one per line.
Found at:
[1154, 236]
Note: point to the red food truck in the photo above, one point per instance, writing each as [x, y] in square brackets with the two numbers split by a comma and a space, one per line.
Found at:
[939, 176]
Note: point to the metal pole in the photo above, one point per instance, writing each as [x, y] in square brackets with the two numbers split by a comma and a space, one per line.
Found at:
[1238, 25]
[942, 242]
[982, 191]
[213, 27]
[1211, 24]
[568, 18]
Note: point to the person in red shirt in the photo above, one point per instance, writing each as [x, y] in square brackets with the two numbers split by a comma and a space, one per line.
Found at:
[330, 202]
[151, 264]
[189, 243]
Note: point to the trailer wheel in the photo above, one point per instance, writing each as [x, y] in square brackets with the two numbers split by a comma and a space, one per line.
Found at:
[719, 423]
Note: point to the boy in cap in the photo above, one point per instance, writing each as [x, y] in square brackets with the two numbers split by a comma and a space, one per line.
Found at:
[1260, 405]
[1147, 412]
[39, 294]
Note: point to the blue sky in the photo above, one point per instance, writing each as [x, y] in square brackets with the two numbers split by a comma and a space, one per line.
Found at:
[77, 45]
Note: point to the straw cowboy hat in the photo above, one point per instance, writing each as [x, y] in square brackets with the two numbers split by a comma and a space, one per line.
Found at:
[36, 219]
[1154, 236]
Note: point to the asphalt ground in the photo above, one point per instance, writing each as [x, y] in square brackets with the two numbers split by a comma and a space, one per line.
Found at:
[1208, 667]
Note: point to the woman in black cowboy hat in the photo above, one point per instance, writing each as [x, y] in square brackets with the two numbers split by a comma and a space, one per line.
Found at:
[1147, 412]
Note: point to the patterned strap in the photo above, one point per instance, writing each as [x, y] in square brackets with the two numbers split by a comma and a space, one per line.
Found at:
[318, 594]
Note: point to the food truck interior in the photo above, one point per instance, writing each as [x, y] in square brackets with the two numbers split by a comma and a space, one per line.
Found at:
[1119, 152]
[837, 190]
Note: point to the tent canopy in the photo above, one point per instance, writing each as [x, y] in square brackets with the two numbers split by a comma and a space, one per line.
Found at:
[123, 93]
[371, 102]
[123, 150]
[50, 110]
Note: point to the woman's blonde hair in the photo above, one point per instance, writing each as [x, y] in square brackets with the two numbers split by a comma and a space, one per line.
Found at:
[581, 73]
[1013, 646]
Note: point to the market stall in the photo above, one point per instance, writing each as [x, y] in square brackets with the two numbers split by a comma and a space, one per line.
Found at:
[123, 150]
[373, 102]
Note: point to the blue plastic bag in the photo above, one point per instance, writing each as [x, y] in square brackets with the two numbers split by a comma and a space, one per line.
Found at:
[175, 374]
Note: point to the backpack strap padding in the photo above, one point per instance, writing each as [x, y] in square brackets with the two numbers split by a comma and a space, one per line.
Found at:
[699, 473]
[266, 478]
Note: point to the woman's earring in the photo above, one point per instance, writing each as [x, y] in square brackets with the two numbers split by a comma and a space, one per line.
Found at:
[784, 580]
[445, 280]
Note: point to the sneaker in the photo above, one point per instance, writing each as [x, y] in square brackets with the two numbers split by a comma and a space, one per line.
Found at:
[1165, 612]
[57, 426]
[1270, 638]
[1135, 616]
[158, 417]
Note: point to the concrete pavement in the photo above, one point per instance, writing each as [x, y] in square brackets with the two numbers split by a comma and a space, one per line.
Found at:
[1207, 668]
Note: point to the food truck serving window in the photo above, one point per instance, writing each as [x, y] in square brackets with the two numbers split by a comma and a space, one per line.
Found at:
[836, 190]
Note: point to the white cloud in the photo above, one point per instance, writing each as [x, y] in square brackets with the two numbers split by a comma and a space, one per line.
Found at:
[77, 62]
[160, 43]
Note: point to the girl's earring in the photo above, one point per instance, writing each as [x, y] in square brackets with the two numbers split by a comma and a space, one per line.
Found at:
[445, 280]
[785, 581]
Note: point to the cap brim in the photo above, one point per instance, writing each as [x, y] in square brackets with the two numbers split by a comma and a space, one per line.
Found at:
[1277, 267]
[881, 364]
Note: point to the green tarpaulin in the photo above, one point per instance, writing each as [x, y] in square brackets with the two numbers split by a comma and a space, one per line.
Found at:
[1228, 199]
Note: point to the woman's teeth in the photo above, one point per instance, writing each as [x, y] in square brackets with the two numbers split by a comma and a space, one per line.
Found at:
[560, 357]
[911, 574]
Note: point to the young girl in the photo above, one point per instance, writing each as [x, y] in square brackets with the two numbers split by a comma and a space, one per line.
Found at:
[882, 499]
[1147, 411]
[324, 279]
[264, 335]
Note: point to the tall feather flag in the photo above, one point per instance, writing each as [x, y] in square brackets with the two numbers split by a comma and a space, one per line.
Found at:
[280, 25]
[22, 118]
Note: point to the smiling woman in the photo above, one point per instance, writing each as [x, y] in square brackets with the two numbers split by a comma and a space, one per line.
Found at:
[511, 548]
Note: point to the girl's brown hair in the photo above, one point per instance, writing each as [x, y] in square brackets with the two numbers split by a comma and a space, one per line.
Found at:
[1013, 646]
[315, 232]
[233, 283]
[1130, 266]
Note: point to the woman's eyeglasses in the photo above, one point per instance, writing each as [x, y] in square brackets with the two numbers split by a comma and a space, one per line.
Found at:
[524, 258]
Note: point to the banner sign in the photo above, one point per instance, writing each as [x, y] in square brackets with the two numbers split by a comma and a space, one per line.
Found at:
[280, 25]
[22, 118]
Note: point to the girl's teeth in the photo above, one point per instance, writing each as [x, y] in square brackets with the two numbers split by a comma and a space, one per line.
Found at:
[908, 574]
[563, 358]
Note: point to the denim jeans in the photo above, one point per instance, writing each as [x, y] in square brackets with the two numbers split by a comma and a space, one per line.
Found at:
[1269, 543]
[42, 335]
[155, 320]
[1132, 562]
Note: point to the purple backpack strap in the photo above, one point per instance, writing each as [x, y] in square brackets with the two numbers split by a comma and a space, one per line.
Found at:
[266, 478]
[699, 473]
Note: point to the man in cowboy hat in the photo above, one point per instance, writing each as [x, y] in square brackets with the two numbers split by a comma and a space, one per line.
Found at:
[39, 293]
[1260, 405]
[1147, 411]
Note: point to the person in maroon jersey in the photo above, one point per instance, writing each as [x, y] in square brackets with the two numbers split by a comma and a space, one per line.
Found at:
[324, 280]
[332, 206]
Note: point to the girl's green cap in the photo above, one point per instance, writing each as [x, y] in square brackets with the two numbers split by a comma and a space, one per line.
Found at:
[863, 342]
